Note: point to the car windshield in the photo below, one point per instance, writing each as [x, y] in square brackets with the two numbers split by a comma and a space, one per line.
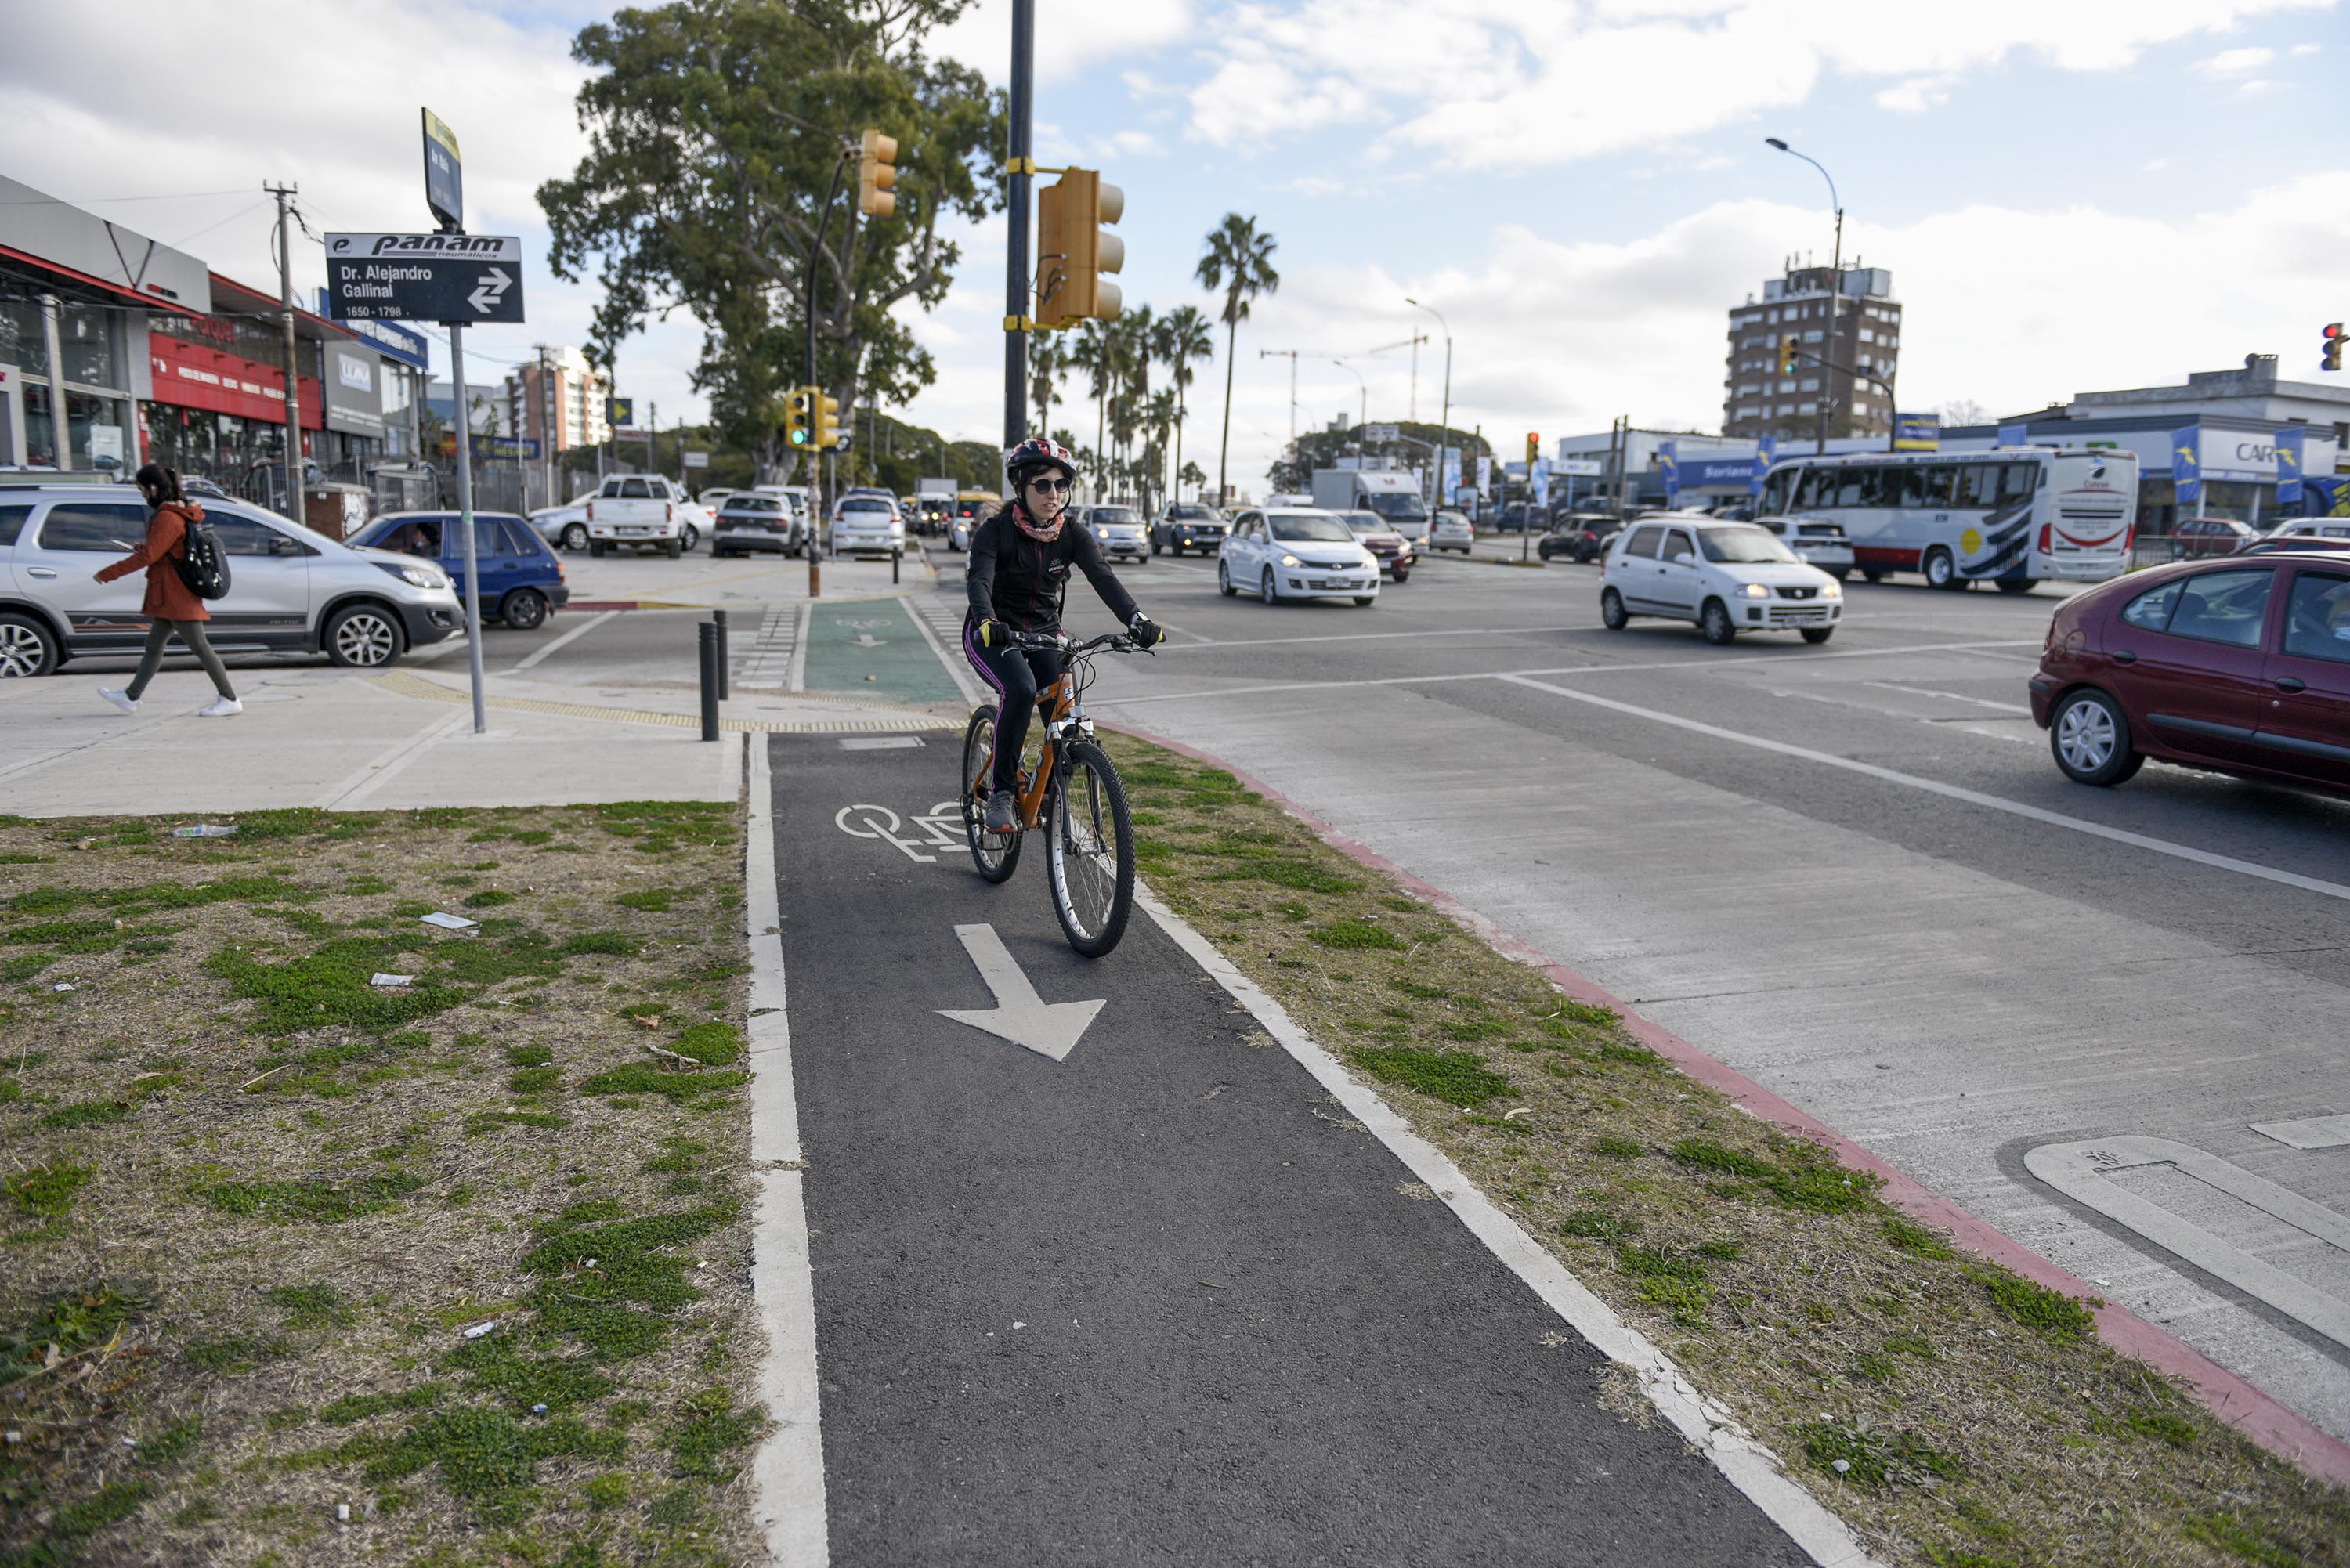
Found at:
[1126, 514]
[1311, 525]
[1743, 546]
[1193, 513]
[1400, 508]
[1453, 519]
[1365, 522]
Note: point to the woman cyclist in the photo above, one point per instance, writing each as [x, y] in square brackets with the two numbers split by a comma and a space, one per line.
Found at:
[1018, 578]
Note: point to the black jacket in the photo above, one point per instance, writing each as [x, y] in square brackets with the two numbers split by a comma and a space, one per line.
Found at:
[1018, 580]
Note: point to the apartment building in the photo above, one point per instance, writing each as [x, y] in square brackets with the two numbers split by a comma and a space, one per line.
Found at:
[1847, 332]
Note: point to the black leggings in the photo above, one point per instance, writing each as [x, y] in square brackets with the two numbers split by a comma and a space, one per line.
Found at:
[191, 632]
[1015, 675]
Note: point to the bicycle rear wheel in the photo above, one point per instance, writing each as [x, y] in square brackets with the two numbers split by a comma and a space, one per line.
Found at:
[996, 854]
[1090, 853]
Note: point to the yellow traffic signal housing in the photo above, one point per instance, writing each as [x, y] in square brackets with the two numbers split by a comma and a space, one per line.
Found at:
[1787, 355]
[1072, 251]
[877, 172]
[795, 418]
[826, 419]
[2331, 357]
[1533, 448]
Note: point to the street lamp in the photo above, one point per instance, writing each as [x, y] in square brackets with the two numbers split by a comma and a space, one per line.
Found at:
[1362, 420]
[1444, 428]
[1835, 284]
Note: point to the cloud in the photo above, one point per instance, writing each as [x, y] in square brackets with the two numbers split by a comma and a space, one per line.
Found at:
[2301, 49]
[1074, 38]
[2255, 87]
[1554, 82]
[2228, 62]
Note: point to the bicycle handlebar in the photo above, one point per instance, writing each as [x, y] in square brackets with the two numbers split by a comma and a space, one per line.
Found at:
[1116, 642]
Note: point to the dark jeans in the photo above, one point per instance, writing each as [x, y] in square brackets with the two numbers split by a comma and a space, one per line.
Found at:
[1015, 675]
[191, 632]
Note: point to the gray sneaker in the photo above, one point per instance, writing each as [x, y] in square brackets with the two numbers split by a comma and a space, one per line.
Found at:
[1003, 813]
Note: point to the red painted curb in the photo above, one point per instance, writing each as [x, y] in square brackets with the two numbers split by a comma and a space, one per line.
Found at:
[2282, 1432]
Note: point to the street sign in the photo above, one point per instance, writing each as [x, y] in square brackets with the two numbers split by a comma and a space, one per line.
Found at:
[444, 172]
[1378, 434]
[460, 280]
[697, 459]
[1581, 467]
[620, 412]
[523, 449]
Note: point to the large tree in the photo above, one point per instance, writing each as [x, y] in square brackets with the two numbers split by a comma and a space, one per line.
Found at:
[716, 129]
[1184, 340]
[1238, 260]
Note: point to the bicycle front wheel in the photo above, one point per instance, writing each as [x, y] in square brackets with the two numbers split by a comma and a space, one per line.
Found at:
[996, 854]
[1091, 856]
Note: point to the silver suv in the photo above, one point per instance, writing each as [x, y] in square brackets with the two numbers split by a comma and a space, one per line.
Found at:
[290, 590]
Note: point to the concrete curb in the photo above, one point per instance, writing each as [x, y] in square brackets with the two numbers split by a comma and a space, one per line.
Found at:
[2258, 1417]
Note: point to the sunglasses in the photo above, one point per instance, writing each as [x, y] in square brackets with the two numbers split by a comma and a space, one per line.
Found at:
[1052, 486]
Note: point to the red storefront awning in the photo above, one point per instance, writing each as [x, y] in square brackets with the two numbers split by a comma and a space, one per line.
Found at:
[190, 376]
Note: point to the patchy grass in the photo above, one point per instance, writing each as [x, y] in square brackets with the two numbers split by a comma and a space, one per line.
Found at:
[1976, 1418]
[252, 1202]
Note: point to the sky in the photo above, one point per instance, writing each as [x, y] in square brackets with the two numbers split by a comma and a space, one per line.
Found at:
[2070, 196]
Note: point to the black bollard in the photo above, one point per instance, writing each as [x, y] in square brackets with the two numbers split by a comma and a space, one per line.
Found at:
[709, 670]
[718, 618]
[894, 554]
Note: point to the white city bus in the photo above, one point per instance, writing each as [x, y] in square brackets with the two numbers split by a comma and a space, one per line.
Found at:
[2015, 516]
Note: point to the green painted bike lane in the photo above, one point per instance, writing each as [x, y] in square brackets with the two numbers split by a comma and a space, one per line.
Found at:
[876, 649]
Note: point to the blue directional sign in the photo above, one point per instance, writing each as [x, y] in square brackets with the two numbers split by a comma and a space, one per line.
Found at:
[462, 280]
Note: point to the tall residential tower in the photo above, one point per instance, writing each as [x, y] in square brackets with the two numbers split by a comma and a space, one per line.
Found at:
[1757, 399]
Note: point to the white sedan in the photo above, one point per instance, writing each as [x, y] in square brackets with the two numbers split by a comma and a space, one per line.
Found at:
[1727, 578]
[1296, 552]
[565, 528]
[1451, 531]
[867, 523]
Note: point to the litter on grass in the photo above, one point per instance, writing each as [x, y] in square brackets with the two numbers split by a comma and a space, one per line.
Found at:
[61, 985]
[480, 1329]
[392, 980]
[448, 922]
[206, 830]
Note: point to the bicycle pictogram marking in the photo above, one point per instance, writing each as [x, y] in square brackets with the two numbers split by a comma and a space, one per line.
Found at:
[941, 827]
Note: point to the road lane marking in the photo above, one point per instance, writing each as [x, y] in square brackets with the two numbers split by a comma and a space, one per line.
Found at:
[958, 666]
[566, 640]
[2310, 1132]
[1954, 697]
[1951, 792]
[1705, 1424]
[788, 1466]
[1733, 663]
[1389, 636]
[2082, 1172]
[1048, 1028]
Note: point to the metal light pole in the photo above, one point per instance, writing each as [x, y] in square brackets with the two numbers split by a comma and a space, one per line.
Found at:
[1836, 284]
[1362, 420]
[1016, 251]
[294, 508]
[1444, 428]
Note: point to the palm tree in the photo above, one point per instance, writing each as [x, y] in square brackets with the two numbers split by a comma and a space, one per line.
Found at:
[1184, 340]
[1047, 357]
[1162, 430]
[1238, 260]
[1091, 354]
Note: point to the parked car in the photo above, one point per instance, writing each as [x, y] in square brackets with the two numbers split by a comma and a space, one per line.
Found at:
[1188, 526]
[1816, 540]
[868, 521]
[1517, 517]
[1279, 553]
[641, 509]
[1387, 547]
[291, 590]
[1580, 536]
[2239, 666]
[1727, 578]
[1118, 531]
[1451, 530]
[2306, 528]
[2271, 545]
[522, 582]
[713, 501]
[749, 523]
[565, 527]
[2195, 537]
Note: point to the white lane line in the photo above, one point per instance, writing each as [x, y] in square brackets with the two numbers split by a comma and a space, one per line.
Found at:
[1791, 659]
[788, 1468]
[1954, 697]
[1747, 1465]
[957, 666]
[796, 679]
[566, 640]
[1952, 792]
[441, 649]
[1391, 636]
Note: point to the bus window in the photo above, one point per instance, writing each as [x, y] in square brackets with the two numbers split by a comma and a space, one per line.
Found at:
[1926, 486]
[1774, 493]
[2017, 481]
[1977, 484]
[1817, 489]
[1863, 487]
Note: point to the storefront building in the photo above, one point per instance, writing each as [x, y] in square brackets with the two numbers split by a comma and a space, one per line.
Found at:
[218, 408]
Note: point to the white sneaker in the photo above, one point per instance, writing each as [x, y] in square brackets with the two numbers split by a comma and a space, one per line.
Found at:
[123, 700]
[220, 709]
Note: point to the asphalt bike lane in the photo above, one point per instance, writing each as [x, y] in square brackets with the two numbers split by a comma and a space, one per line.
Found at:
[1102, 1275]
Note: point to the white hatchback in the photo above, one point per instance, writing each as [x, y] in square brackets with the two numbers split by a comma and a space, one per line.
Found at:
[1296, 552]
[1727, 578]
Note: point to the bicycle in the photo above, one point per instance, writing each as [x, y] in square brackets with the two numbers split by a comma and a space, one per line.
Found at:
[1075, 792]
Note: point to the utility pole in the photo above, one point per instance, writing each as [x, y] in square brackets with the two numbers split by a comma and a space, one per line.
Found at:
[284, 194]
[1290, 355]
[1023, 169]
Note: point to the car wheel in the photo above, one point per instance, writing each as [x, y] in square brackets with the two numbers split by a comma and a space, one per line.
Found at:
[1154, 541]
[1402, 576]
[1611, 614]
[1874, 574]
[1818, 634]
[2018, 585]
[363, 637]
[1715, 623]
[689, 538]
[674, 549]
[26, 647]
[595, 549]
[1174, 546]
[1224, 579]
[1839, 572]
[1265, 585]
[1942, 572]
[575, 537]
[2091, 740]
[524, 609]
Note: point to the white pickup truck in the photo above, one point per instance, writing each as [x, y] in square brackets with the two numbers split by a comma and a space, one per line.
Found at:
[644, 510]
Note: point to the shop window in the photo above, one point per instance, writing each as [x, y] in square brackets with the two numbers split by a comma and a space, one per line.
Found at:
[86, 338]
[22, 341]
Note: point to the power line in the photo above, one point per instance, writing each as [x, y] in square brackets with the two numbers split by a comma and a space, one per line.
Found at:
[111, 200]
[231, 218]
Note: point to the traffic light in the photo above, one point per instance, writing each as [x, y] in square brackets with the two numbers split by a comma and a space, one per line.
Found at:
[1787, 355]
[2333, 360]
[1072, 252]
[877, 172]
[795, 418]
[825, 420]
[1534, 447]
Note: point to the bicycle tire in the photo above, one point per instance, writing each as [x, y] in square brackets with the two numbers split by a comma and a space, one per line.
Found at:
[994, 855]
[1088, 801]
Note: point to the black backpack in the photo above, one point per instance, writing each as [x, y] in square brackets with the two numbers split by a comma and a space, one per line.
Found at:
[201, 564]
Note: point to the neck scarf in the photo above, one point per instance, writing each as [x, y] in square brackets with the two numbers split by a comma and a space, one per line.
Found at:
[1042, 535]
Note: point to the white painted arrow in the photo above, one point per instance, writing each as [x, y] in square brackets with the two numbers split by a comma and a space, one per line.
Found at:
[493, 286]
[1020, 1015]
[867, 639]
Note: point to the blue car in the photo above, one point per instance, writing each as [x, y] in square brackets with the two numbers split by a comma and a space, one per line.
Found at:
[522, 582]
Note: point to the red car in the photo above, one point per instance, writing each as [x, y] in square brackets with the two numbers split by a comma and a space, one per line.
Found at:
[2197, 536]
[2239, 665]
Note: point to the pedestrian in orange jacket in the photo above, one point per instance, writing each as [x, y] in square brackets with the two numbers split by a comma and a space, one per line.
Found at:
[169, 605]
